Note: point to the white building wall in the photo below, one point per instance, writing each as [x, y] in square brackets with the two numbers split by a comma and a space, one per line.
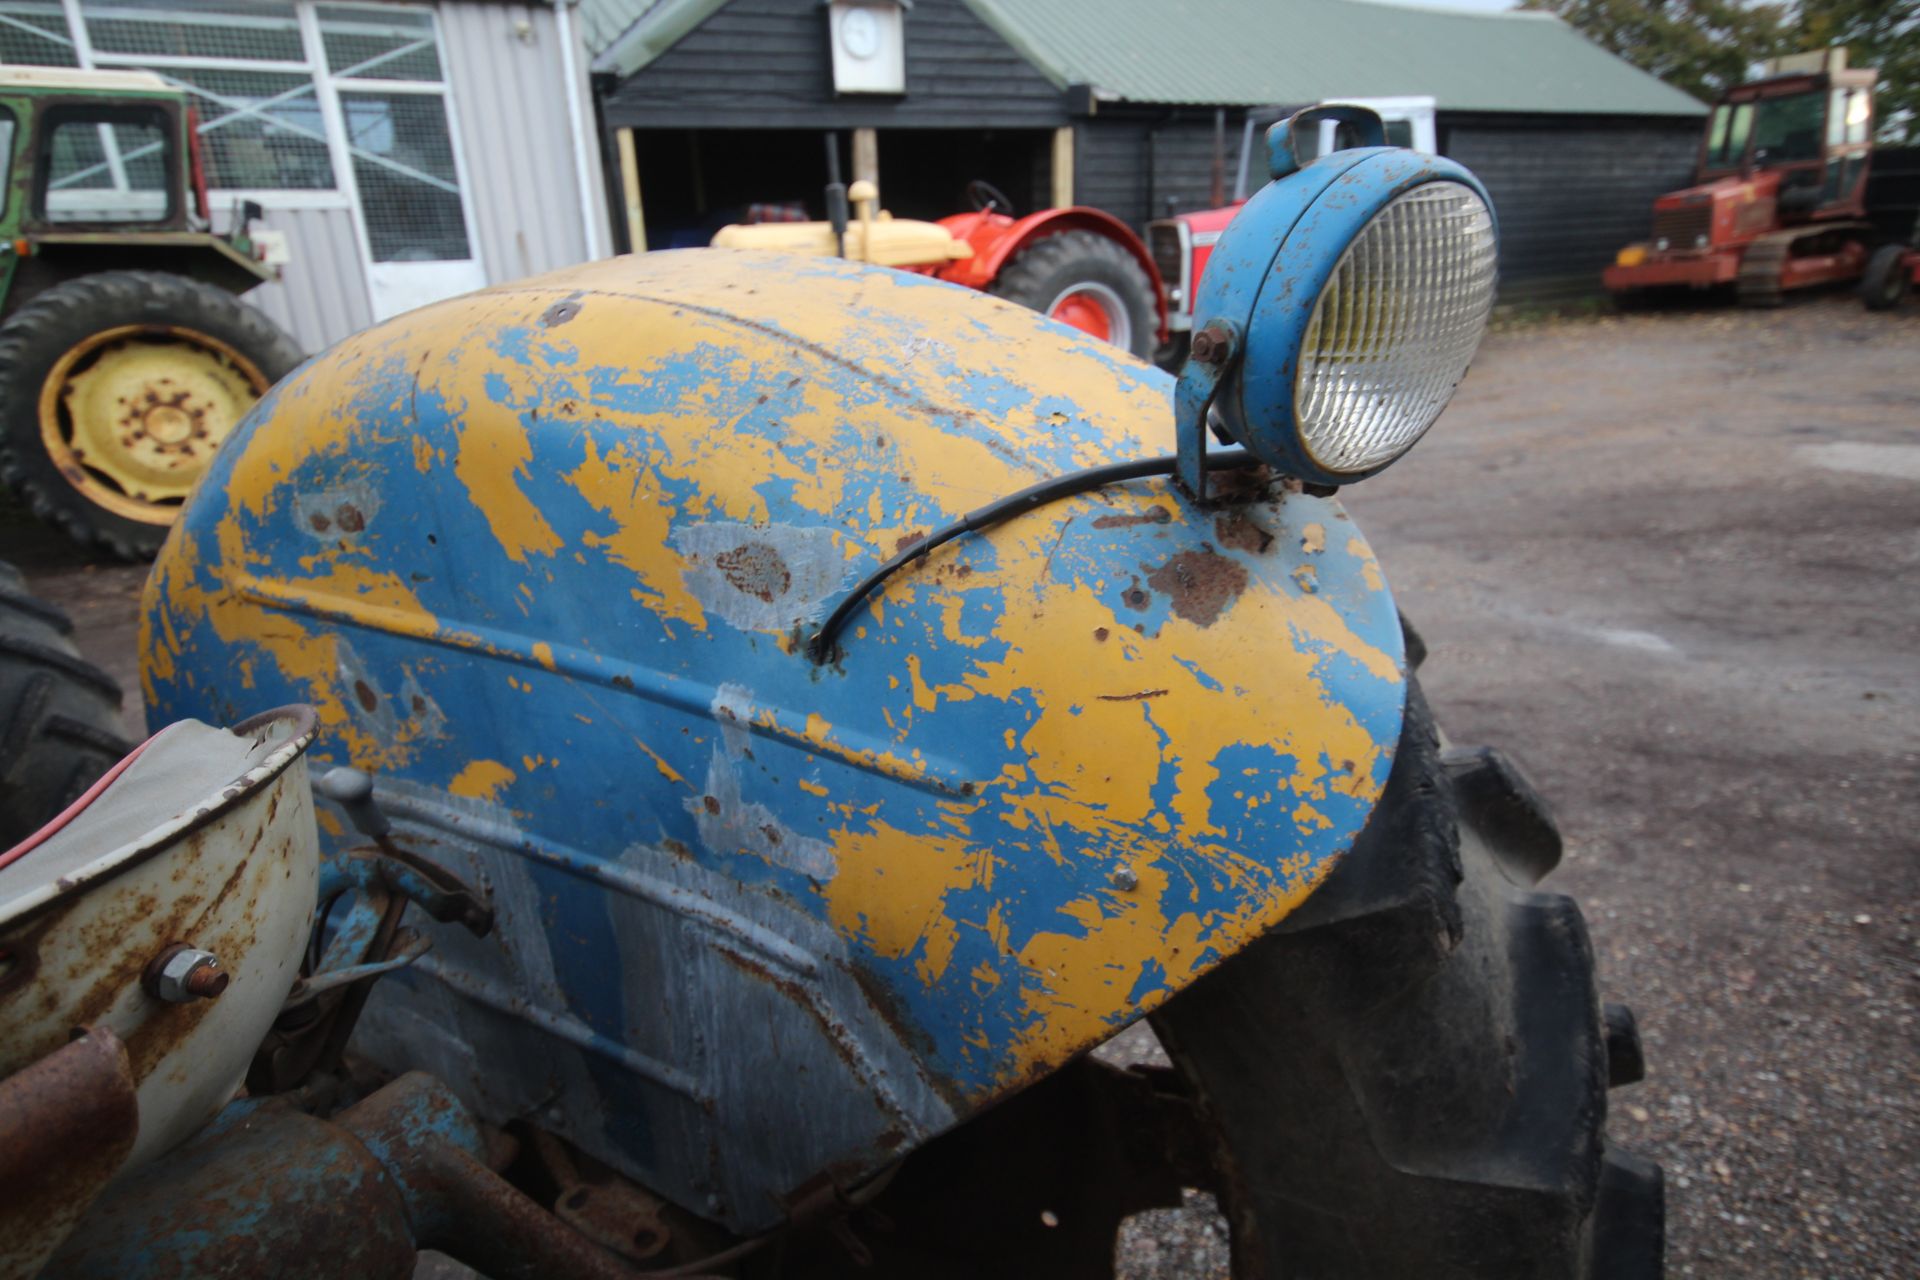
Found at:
[505, 66]
[322, 295]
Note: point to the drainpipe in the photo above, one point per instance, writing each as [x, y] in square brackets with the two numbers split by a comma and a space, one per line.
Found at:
[582, 173]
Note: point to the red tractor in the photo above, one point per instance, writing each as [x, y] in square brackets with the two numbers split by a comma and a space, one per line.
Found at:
[1779, 200]
[1083, 267]
[1182, 242]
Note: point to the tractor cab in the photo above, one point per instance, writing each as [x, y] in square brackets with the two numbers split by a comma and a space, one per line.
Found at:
[104, 170]
[1811, 131]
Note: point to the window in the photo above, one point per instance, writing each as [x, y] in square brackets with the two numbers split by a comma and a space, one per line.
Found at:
[403, 164]
[6, 157]
[1737, 136]
[288, 94]
[248, 30]
[385, 63]
[1717, 135]
[380, 44]
[1728, 140]
[34, 32]
[1788, 129]
[106, 169]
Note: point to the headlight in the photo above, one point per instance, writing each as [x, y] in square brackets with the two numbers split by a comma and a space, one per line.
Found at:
[1394, 329]
[1340, 308]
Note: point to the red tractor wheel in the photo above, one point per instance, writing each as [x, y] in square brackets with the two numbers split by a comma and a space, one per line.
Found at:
[1085, 280]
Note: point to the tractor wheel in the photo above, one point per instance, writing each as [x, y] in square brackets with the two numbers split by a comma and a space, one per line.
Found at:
[1410, 1077]
[1885, 282]
[1085, 280]
[115, 390]
[59, 714]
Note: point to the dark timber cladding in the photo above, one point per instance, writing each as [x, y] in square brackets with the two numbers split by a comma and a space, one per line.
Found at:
[1569, 190]
[763, 64]
[1143, 163]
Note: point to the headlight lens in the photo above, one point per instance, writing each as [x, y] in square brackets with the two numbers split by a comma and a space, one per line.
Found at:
[1395, 328]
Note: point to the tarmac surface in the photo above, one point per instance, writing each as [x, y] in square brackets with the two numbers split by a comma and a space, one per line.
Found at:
[1671, 563]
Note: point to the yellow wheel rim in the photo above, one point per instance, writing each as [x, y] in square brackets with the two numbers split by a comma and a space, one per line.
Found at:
[132, 416]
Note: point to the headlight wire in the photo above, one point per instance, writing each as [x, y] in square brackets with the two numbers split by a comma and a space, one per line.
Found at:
[820, 647]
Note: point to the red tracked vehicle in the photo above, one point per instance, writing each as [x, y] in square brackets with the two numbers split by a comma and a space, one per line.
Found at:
[1779, 200]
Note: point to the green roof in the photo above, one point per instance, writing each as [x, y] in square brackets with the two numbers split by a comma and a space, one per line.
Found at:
[626, 35]
[1253, 52]
[1247, 52]
[604, 21]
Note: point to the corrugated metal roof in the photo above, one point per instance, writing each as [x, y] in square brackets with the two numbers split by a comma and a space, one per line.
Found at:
[1244, 52]
[656, 27]
[1253, 52]
[604, 21]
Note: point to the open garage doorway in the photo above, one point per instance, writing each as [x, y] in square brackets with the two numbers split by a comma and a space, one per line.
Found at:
[695, 181]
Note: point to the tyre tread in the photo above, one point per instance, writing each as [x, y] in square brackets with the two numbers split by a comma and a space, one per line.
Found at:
[1410, 1075]
[59, 714]
[33, 337]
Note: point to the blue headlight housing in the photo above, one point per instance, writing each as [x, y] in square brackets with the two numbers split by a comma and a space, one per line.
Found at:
[1340, 307]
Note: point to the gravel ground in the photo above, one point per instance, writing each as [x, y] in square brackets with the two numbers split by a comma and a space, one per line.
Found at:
[1669, 561]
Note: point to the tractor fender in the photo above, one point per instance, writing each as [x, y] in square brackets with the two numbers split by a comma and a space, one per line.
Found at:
[996, 239]
[546, 559]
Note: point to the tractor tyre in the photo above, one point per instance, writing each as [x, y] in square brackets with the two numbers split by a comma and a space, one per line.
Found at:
[115, 390]
[1410, 1076]
[1087, 281]
[59, 714]
[1885, 281]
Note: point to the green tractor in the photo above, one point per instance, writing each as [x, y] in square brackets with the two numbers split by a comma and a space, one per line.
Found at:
[126, 355]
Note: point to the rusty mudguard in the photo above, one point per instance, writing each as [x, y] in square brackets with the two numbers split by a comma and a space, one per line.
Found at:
[546, 558]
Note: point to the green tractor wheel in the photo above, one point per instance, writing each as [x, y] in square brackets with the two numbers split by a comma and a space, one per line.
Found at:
[115, 391]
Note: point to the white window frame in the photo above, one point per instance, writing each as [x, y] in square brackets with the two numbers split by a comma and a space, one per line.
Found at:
[326, 87]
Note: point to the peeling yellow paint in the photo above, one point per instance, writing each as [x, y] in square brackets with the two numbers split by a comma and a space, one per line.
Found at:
[1117, 721]
[481, 780]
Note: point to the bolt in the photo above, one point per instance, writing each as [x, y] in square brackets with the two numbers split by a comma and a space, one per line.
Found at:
[1124, 879]
[1212, 345]
[181, 974]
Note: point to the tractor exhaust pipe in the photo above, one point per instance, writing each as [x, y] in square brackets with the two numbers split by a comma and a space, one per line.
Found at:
[836, 196]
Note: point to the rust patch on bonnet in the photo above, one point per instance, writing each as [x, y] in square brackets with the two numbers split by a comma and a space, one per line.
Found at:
[768, 577]
[757, 569]
[561, 311]
[1200, 584]
[1240, 531]
[1152, 515]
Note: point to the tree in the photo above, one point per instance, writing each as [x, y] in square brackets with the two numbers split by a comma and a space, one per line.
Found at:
[1706, 46]
[1884, 34]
